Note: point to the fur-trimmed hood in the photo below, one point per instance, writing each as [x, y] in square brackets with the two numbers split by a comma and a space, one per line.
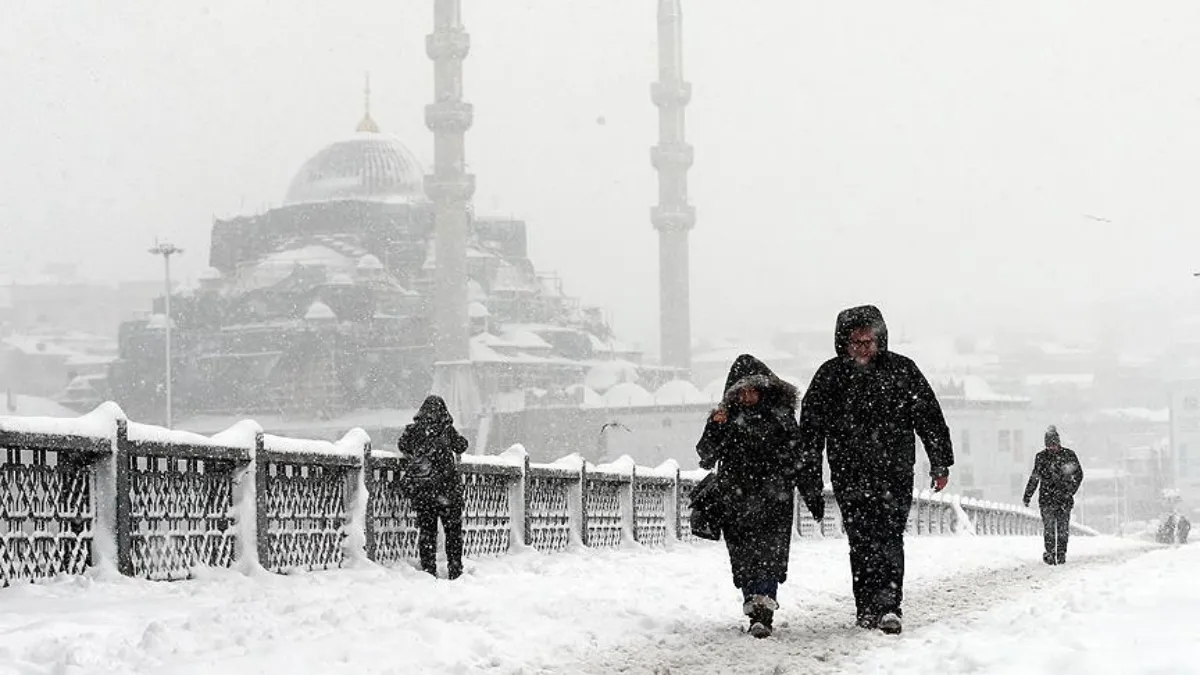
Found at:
[748, 372]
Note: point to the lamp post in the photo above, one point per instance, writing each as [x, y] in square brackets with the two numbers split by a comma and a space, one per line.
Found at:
[166, 250]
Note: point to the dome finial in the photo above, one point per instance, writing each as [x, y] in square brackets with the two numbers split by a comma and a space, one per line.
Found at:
[367, 124]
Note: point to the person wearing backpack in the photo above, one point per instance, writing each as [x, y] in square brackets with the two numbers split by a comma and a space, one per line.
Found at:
[430, 448]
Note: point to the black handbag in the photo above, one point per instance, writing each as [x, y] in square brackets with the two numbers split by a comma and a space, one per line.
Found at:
[708, 508]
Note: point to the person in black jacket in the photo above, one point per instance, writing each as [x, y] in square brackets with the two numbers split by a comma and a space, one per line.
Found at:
[752, 440]
[1058, 471]
[863, 407]
[430, 448]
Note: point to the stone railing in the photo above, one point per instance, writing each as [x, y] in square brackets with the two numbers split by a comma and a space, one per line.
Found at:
[100, 491]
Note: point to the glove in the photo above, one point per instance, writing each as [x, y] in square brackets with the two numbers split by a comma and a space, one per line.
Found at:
[940, 476]
[1025, 502]
[816, 505]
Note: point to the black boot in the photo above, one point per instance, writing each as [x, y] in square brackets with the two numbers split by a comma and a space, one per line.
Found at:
[868, 621]
[761, 619]
[761, 610]
[890, 623]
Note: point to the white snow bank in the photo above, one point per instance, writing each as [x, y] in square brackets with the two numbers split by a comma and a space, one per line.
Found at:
[571, 462]
[622, 466]
[240, 435]
[592, 612]
[350, 445]
[1142, 616]
[148, 433]
[100, 423]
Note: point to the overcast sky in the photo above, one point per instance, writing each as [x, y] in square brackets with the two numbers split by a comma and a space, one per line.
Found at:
[930, 156]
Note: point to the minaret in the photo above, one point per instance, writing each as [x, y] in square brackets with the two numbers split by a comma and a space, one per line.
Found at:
[450, 188]
[367, 125]
[673, 217]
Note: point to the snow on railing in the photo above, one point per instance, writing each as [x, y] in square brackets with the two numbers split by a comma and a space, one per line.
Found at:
[101, 492]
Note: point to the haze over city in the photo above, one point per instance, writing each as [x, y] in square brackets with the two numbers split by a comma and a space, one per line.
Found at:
[944, 160]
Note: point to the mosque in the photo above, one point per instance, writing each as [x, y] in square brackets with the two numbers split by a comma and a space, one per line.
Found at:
[376, 282]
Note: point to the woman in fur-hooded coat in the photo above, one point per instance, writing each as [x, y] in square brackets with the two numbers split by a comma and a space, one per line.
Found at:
[752, 439]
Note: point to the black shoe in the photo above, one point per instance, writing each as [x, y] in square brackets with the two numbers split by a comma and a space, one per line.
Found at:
[890, 623]
[867, 621]
[760, 630]
[1062, 560]
[1048, 559]
[454, 573]
[761, 619]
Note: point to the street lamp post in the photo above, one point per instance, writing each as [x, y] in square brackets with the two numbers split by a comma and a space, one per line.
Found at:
[166, 250]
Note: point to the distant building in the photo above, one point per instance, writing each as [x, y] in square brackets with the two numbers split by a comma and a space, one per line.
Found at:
[58, 300]
[323, 306]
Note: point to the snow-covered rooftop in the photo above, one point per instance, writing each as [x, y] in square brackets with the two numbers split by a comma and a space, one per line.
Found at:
[1056, 379]
[1159, 415]
[679, 392]
[627, 395]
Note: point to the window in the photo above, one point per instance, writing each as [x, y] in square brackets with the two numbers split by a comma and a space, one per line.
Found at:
[1004, 441]
[964, 444]
[1018, 445]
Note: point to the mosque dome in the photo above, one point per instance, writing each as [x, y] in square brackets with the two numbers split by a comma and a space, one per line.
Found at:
[368, 166]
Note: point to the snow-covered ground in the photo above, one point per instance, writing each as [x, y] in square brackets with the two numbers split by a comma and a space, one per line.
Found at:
[1141, 617]
[974, 604]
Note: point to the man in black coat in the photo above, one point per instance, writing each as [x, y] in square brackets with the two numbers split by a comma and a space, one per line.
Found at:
[863, 407]
[1058, 471]
[753, 436]
[431, 447]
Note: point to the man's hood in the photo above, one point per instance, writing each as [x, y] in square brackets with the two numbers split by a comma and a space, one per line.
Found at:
[849, 320]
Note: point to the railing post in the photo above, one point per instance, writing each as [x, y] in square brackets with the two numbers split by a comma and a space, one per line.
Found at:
[526, 497]
[518, 521]
[261, 500]
[583, 514]
[103, 470]
[674, 505]
[830, 521]
[356, 505]
[628, 508]
[368, 473]
[796, 502]
[123, 522]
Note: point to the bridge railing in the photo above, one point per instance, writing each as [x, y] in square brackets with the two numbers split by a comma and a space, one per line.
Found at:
[99, 491]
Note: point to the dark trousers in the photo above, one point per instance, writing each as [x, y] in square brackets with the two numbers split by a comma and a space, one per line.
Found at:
[767, 588]
[1056, 528]
[428, 515]
[875, 522]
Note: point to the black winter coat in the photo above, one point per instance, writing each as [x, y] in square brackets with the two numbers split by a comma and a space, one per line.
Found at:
[1059, 474]
[756, 455]
[432, 442]
[868, 418]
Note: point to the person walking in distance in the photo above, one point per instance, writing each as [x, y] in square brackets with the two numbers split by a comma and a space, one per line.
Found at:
[752, 440]
[430, 449]
[866, 407]
[1058, 474]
